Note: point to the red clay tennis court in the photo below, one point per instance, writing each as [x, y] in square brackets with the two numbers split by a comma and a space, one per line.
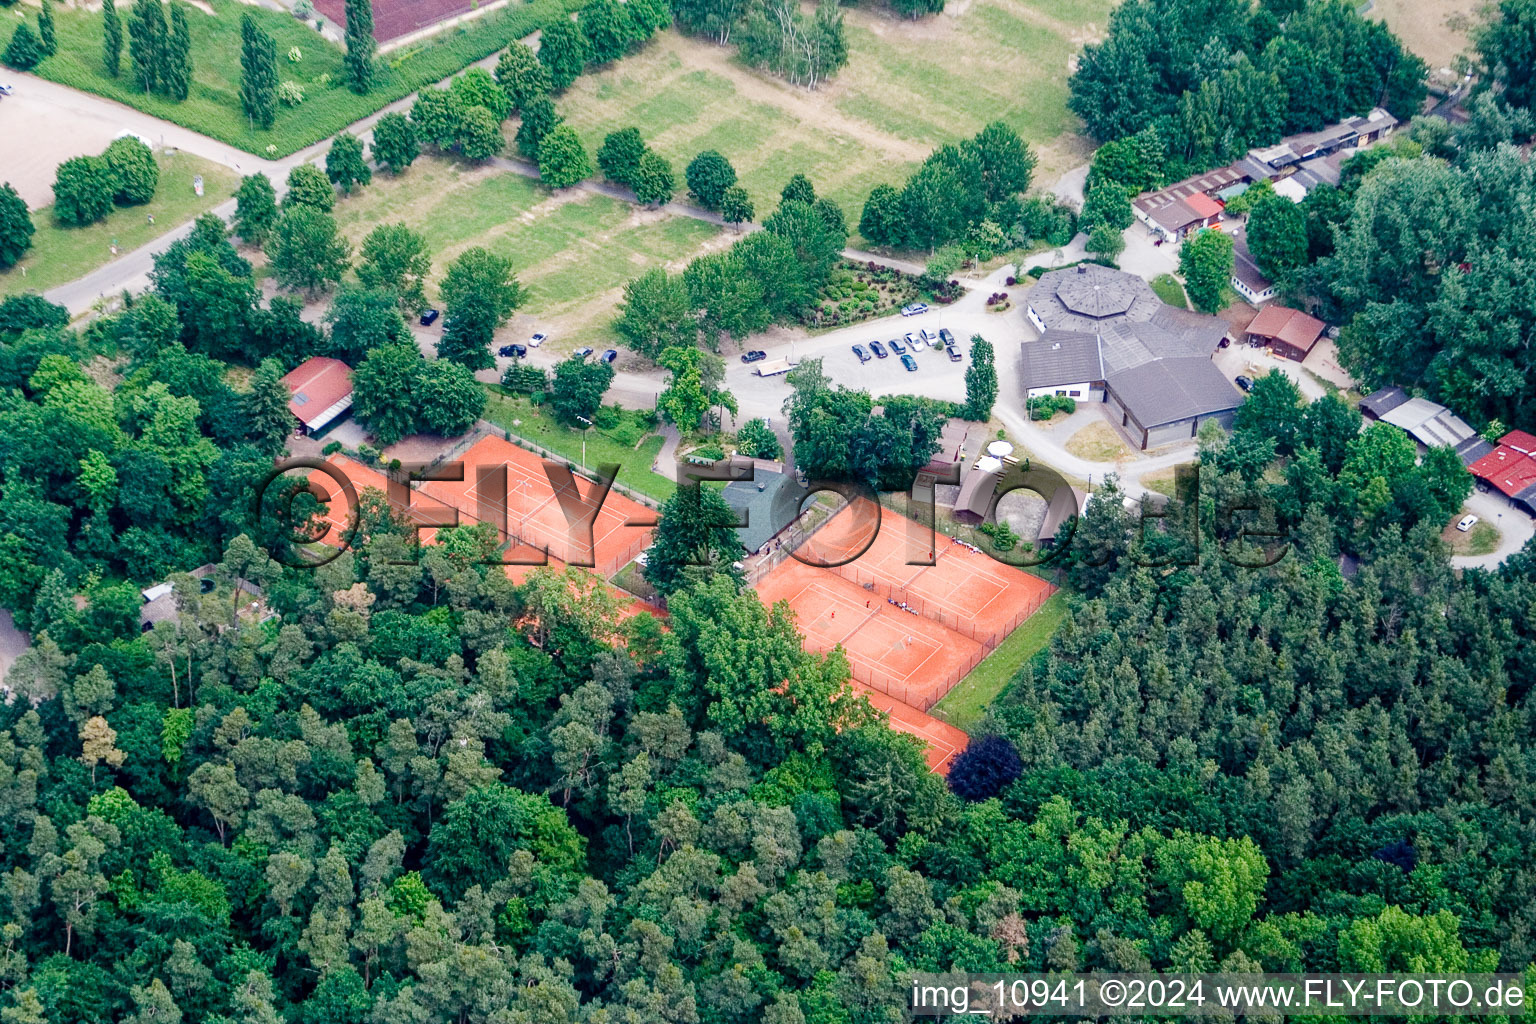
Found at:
[509, 487]
[535, 520]
[906, 656]
[942, 742]
[964, 590]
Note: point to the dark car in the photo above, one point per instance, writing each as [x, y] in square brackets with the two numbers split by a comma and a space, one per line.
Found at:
[909, 363]
[945, 337]
[878, 349]
[896, 346]
[757, 355]
[1245, 383]
[513, 350]
[610, 355]
[954, 353]
[428, 317]
[858, 350]
[582, 352]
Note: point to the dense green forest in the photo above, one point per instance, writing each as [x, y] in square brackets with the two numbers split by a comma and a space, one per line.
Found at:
[1212, 78]
[412, 790]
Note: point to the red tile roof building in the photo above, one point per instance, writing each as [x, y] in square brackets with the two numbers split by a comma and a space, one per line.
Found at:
[1290, 332]
[322, 391]
[1510, 469]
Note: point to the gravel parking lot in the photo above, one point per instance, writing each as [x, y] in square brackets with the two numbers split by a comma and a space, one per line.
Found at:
[40, 137]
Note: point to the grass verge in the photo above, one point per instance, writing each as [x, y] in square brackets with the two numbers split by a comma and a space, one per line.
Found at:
[213, 106]
[965, 705]
[1169, 290]
[1482, 539]
[521, 418]
[60, 254]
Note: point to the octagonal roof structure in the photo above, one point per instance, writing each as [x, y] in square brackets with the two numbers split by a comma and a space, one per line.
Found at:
[1097, 292]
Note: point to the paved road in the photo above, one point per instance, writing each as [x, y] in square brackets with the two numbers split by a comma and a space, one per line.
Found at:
[131, 270]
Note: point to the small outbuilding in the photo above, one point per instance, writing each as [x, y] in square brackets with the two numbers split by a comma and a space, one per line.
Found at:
[321, 390]
[1287, 332]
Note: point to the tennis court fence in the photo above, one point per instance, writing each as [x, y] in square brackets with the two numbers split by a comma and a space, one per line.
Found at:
[921, 698]
[929, 609]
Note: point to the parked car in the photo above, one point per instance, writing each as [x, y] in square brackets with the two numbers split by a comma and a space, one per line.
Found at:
[538, 339]
[915, 309]
[513, 350]
[757, 355]
[582, 352]
[5, 90]
[1466, 523]
[909, 363]
[610, 355]
[428, 317]
[954, 353]
[929, 337]
[946, 336]
[896, 346]
[858, 350]
[878, 349]
[1246, 383]
[914, 341]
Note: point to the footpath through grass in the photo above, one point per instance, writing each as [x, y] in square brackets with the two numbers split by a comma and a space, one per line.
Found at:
[213, 107]
[521, 418]
[965, 705]
[60, 254]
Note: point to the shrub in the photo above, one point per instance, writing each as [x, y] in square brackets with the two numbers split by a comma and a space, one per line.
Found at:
[304, 10]
[83, 190]
[525, 379]
[710, 451]
[756, 440]
[367, 452]
[290, 94]
[331, 449]
[134, 169]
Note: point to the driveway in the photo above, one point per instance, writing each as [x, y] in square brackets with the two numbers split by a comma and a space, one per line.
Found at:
[1515, 530]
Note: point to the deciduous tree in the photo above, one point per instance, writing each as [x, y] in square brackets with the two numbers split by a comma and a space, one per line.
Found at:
[394, 142]
[709, 175]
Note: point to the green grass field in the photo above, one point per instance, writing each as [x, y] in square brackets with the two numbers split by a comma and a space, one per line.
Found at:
[909, 86]
[1169, 290]
[522, 418]
[213, 107]
[964, 706]
[60, 254]
[573, 250]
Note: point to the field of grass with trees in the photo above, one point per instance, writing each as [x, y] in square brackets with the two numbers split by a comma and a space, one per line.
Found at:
[213, 106]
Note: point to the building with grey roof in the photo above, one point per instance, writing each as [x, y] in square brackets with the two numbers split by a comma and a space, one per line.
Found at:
[1149, 362]
[1063, 363]
[767, 505]
[1247, 279]
[1083, 297]
[1169, 399]
[1374, 405]
[1432, 425]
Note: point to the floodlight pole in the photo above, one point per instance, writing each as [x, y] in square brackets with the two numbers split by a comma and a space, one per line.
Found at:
[586, 423]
